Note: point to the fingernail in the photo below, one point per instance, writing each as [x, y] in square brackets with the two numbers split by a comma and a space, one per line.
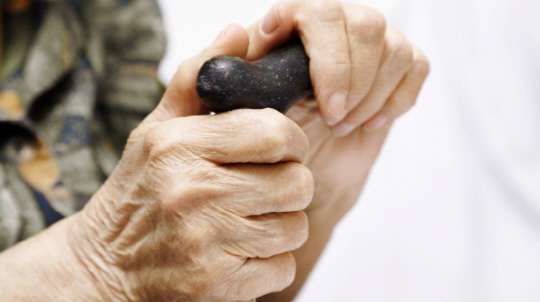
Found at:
[342, 129]
[336, 107]
[376, 123]
[270, 21]
[222, 33]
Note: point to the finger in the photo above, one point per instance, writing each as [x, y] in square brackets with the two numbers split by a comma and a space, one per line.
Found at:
[271, 31]
[180, 98]
[366, 34]
[238, 136]
[268, 235]
[322, 27]
[396, 60]
[405, 95]
[260, 276]
[260, 189]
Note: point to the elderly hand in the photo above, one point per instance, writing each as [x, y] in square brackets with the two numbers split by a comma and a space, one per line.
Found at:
[365, 74]
[203, 208]
[200, 208]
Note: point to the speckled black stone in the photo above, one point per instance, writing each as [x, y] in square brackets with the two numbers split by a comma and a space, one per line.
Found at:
[277, 81]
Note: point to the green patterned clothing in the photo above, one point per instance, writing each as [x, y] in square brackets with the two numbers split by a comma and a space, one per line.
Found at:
[76, 77]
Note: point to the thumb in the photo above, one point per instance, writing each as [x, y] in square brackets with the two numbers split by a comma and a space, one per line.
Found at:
[180, 98]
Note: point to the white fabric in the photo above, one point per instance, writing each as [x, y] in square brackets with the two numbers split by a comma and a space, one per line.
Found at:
[451, 211]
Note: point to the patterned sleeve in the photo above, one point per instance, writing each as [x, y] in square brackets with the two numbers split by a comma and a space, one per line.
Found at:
[126, 41]
[79, 75]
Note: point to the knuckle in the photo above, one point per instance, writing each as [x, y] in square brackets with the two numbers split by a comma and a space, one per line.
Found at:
[300, 231]
[303, 143]
[265, 253]
[198, 239]
[365, 110]
[411, 101]
[137, 134]
[184, 68]
[402, 105]
[293, 231]
[154, 138]
[408, 103]
[177, 198]
[165, 149]
[288, 271]
[194, 237]
[277, 145]
[400, 53]
[276, 130]
[304, 186]
[369, 24]
[340, 67]
[322, 11]
[421, 64]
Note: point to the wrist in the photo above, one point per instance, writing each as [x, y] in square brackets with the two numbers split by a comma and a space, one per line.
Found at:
[44, 268]
[91, 238]
[332, 201]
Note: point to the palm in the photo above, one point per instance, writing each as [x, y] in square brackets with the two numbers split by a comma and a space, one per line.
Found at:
[337, 163]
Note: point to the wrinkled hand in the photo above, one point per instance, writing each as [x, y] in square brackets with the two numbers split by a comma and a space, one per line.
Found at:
[201, 207]
[365, 74]
[208, 208]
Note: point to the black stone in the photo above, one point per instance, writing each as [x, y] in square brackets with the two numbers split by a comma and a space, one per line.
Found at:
[277, 81]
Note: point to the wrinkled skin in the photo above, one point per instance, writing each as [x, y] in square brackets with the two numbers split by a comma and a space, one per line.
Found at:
[218, 207]
[214, 201]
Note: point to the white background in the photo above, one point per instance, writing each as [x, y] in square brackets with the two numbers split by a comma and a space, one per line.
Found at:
[451, 211]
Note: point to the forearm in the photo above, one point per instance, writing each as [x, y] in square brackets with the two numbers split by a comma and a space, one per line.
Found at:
[328, 208]
[44, 268]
